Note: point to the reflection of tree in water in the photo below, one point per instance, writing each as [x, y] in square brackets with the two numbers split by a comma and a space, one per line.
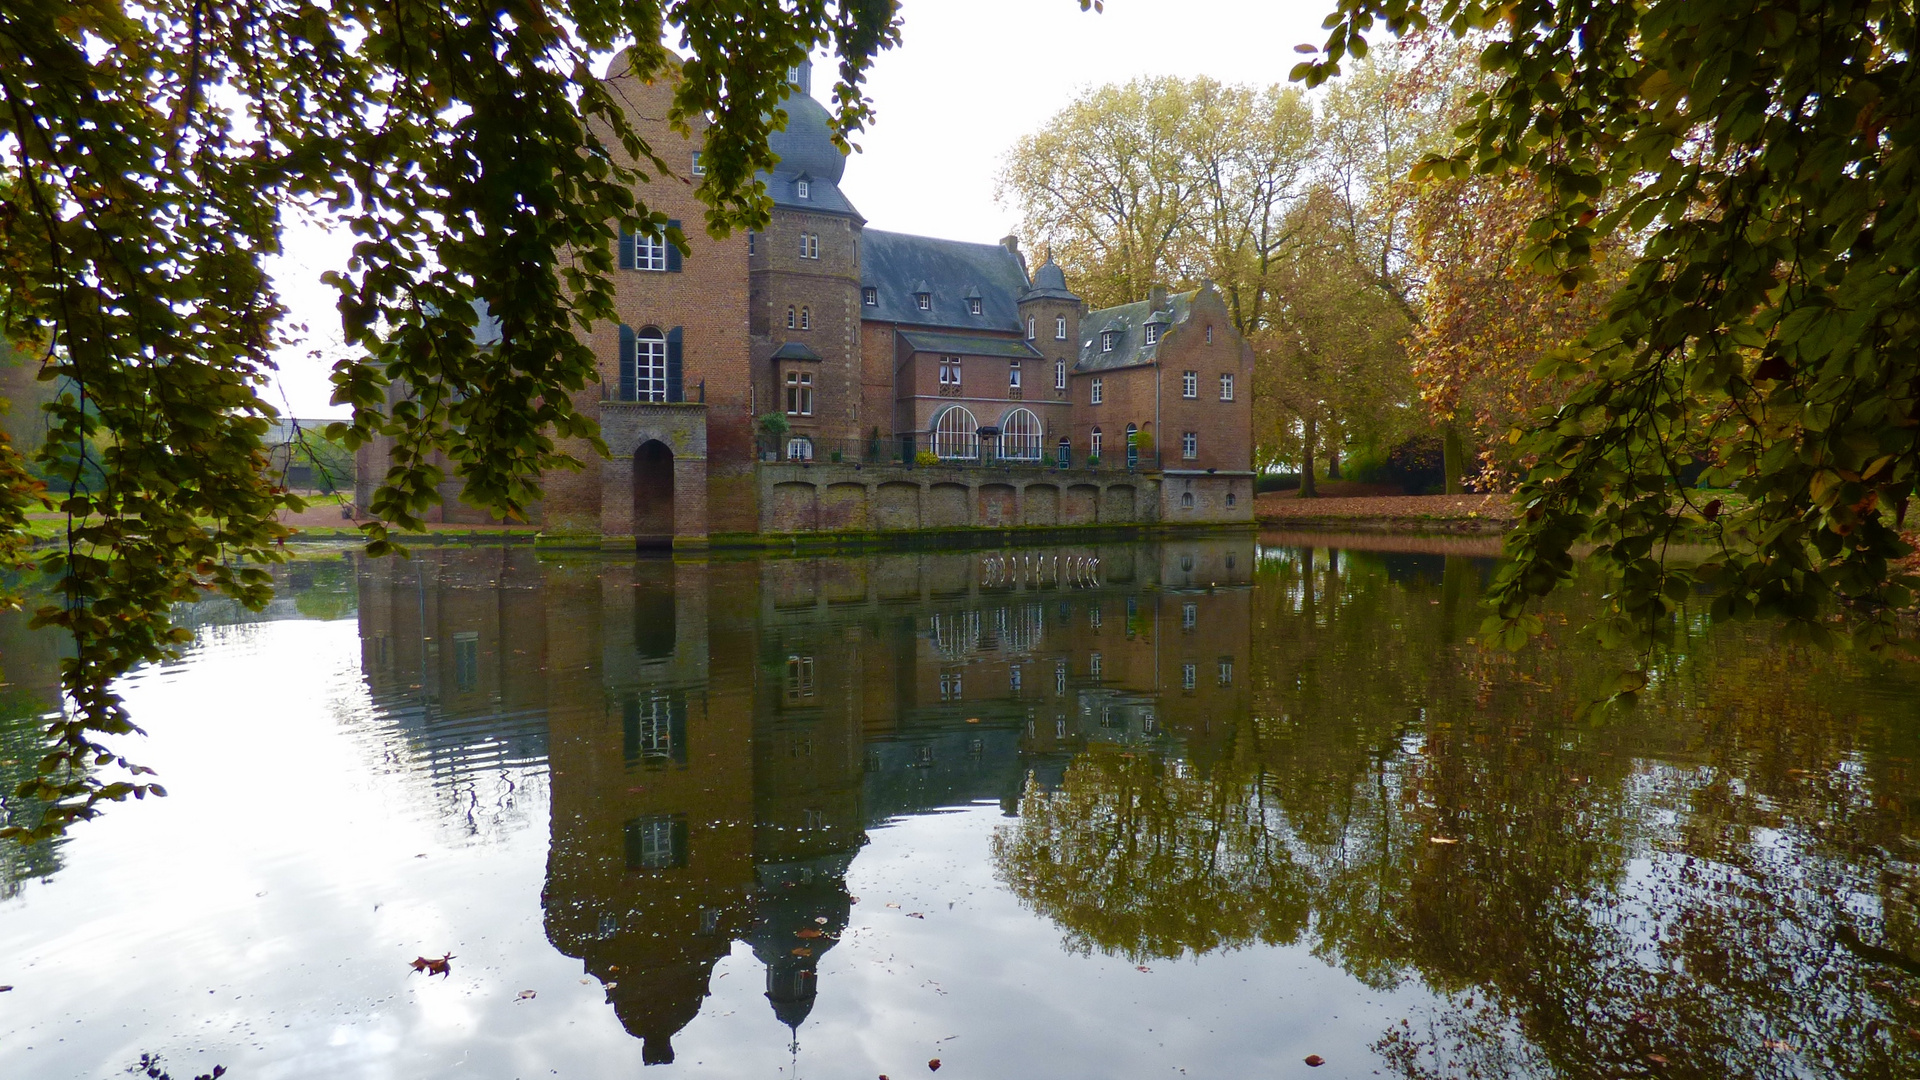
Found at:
[1718, 884]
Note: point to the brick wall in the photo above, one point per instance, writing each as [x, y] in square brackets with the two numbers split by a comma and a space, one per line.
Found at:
[828, 288]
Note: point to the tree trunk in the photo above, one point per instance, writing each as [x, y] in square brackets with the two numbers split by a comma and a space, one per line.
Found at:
[1308, 432]
[1453, 463]
[1333, 464]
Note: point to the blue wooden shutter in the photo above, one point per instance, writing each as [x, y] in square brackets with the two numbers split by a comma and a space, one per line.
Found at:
[673, 257]
[626, 250]
[674, 391]
[629, 364]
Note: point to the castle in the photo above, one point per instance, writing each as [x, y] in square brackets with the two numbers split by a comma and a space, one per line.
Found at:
[820, 376]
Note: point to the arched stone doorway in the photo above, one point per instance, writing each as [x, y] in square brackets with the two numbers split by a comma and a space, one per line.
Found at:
[653, 495]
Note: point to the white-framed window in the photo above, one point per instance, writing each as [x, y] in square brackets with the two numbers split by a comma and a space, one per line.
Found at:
[1059, 374]
[1226, 671]
[806, 318]
[1020, 436]
[1096, 390]
[1153, 333]
[793, 319]
[656, 842]
[1013, 681]
[799, 393]
[1060, 727]
[699, 167]
[799, 448]
[1094, 449]
[1108, 339]
[1031, 324]
[809, 245]
[1226, 387]
[1059, 328]
[649, 365]
[950, 371]
[1189, 616]
[650, 253]
[1189, 384]
[925, 300]
[973, 305]
[1189, 445]
[799, 677]
[1189, 674]
[793, 75]
[1093, 665]
[1013, 375]
[870, 296]
[956, 435]
[1059, 678]
[802, 189]
[1209, 333]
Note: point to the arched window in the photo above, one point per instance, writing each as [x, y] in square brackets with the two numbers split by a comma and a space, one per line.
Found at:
[1059, 374]
[1030, 328]
[1094, 447]
[806, 318]
[1020, 436]
[646, 370]
[956, 435]
[793, 321]
[1186, 500]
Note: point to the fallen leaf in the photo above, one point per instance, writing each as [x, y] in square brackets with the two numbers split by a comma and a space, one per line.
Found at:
[821, 919]
[809, 932]
[853, 899]
[1441, 840]
[893, 905]
[915, 915]
[1142, 967]
[803, 952]
[432, 966]
[1656, 1059]
[934, 1064]
[526, 994]
[4, 989]
[1314, 1061]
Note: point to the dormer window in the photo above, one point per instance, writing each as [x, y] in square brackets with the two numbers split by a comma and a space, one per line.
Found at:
[1153, 333]
[1108, 339]
[925, 300]
[802, 189]
[870, 296]
[973, 305]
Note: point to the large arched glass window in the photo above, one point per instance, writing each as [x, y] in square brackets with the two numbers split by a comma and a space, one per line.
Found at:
[956, 435]
[1020, 436]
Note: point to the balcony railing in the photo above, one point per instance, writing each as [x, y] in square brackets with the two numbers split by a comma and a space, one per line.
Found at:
[911, 451]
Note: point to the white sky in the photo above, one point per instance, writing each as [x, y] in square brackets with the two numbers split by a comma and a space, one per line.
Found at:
[970, 77]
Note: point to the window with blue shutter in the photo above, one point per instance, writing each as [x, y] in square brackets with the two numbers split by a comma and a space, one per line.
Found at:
[629, 375]
[673, 257]
[626, 250]
[675, 387]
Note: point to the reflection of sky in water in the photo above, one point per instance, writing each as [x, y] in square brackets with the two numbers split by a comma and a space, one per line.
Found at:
[504, 760]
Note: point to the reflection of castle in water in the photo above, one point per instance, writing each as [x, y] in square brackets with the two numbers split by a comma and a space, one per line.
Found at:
[721, 736]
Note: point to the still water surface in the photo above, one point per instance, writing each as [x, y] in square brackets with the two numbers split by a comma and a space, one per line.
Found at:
[1195, 809]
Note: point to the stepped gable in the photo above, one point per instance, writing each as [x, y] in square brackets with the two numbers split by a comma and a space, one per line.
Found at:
[897, 265]
[1129, 321]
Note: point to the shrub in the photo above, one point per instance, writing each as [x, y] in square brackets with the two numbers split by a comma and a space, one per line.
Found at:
[1093, 460]
[926, 458]
[774, 423]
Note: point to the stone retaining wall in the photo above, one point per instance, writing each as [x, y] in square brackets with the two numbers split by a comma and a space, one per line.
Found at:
[881, 498]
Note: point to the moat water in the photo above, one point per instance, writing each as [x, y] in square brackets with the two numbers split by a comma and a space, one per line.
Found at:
[1196, 808]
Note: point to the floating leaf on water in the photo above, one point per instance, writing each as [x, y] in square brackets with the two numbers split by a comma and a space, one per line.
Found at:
[1142, 967]
[893, 905]
[1441, 840]
[809, 932]
[1656, 1059]
[803, 952]
[934, 1064]
[1314, 1061]
[4, 989]
[526, 994]
[915, 915]
[433, 966]
[821, 919]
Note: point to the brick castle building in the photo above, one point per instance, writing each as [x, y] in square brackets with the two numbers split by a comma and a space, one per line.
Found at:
[823, 376]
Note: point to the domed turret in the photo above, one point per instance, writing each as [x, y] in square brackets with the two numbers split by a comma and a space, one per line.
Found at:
[1049, 282]
[806, 146]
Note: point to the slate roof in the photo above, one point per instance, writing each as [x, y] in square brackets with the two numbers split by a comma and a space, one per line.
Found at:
[896, 265]
[1130, 320]
[794, 350]
[969, 345]
[807, 152]
[1049, 283]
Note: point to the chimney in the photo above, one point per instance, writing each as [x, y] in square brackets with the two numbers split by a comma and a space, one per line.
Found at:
[1012, 244]
[1156, 298]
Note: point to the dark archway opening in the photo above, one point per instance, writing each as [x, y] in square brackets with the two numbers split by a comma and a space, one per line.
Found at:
[653, 495]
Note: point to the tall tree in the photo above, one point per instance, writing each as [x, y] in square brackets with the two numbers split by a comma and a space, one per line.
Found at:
[1770, 323]
[149, 153]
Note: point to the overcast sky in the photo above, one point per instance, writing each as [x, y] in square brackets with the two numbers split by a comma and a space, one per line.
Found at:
[970, 77]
